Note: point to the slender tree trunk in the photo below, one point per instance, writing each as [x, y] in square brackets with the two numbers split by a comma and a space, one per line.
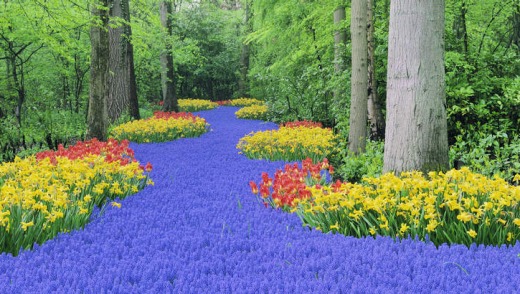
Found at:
[97, 117]
[243, 88]
[123, 91]
[375, 115]
[359, 79]
[168, 78]
[340, 38]
[416, 128]
[515, 35]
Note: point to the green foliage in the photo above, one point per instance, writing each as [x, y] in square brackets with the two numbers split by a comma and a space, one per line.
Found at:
[292, 67]
[353, 168]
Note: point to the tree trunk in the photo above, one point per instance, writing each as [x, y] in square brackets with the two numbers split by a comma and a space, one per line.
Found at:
[340, 38]
[97, 117]
[243, 88]
[167, 75]
[375, 115]
[122, 94]
[359, 78]
[416, 127]
[133, 102]
[515, 35]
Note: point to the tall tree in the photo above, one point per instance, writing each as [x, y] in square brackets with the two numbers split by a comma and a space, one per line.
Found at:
[416, 128]
[97, 117]
[123, 91]
[340, 38]
[168, 76]
[515, 20]
[243, 90]
[375, 114]
[359, 79]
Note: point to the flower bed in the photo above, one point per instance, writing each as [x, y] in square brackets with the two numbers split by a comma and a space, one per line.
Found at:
[192, 105]
[289, 143]
[252, 112]
[456, 207]
[55, 191]
[163, 126]
[242, 102]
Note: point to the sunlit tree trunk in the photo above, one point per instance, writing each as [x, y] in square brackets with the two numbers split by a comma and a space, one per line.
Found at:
[168, 77]
[375, 115]
[416, 127]
[359, 78]
[97, 117]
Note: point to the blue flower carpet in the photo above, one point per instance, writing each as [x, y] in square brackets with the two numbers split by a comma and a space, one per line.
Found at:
[199, 229]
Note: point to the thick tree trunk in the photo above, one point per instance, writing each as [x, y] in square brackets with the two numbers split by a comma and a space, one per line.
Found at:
[123, 91]
[359, 79]
[375, 115]
[340, 38]
[243, 88]
[167, 75]
[97, 117]
[416, 128]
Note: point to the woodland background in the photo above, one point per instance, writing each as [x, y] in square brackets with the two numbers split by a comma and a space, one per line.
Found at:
[278, 51]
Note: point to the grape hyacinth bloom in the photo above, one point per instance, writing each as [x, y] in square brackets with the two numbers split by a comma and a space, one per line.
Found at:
[200, 230]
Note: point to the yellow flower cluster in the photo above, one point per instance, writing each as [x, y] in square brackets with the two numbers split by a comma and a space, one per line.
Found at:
[246, 102]
[39, 199]
[160, 130]
[252, 112]
[454, 207]
[191, 105]
[289, 144]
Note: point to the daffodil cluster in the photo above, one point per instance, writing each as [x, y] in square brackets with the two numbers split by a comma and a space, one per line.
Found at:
[55, 192]
[245, 102]
[163, 126]
[252, 112]
[191, 105]
[454, 207]
[289, 143]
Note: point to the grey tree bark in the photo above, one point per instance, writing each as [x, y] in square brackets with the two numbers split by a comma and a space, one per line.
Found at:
[416, 127]
[123, 92]
[167, 74]
[359, 79]
[340, 38]
[375, 114]
[97, 116]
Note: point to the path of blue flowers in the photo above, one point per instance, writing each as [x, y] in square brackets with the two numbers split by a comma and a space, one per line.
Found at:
[200, 230]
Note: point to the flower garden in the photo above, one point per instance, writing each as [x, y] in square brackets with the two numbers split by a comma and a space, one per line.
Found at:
[199, 228]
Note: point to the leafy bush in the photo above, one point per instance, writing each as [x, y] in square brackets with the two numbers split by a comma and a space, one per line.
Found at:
[353, 167]
[163, 126]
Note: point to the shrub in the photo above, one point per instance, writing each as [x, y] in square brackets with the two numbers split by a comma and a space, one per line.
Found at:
[163, 126]
[290, 144]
